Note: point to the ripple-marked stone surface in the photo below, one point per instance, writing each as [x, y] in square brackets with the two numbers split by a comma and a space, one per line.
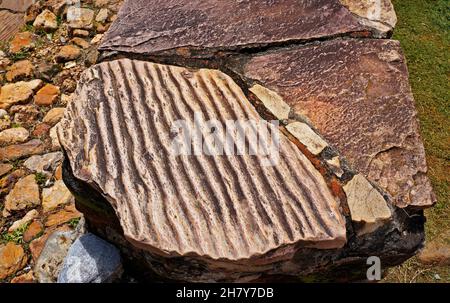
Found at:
[118, 139]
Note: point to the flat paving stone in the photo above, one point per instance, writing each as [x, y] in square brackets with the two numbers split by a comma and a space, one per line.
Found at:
[357, 94]
[199, 27]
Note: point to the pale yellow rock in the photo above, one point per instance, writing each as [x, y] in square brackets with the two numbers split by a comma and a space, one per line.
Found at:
[54, 138]
[46, 20]
[14, 135]
[13, 93]
[381, 11]
[32, 214]
[56, 195]
[24, 194]
[54, 115]
[35, 84]
[80, 18]
[272, 101]
[366, 204]
[313, 142]
[335, 165]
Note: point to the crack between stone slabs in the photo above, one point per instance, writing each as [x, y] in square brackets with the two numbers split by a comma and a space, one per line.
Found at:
[244, 49]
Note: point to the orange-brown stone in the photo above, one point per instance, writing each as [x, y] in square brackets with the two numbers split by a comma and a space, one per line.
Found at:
[47, 95]
[12, 259]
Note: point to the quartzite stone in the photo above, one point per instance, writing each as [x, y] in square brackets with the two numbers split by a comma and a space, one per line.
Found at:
[356, 93]
[203, 27]
[244, 209]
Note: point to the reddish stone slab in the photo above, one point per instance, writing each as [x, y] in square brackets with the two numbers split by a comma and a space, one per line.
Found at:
[200, 27]
[356, 93]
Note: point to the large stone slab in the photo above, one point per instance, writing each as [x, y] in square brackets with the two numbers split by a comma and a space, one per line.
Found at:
[201, 28]
[356, 93]
[227, 207]
[209, 217]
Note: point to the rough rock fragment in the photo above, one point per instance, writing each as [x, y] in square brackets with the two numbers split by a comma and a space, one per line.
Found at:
[5, 168]
[303, 132]
[12, 259]
[47, 95]
[378, 14]
[230, 25]
[356, 94]
[272, 101]
[80, 18]
[54, 115]
[68, 53]
[24, 194]
[44, 164]
[32, 214]
[24, 278]
[55, 196]
[13, 93]
[16, 151]
[91, 260]
[14, 135]
[65, 215]
[367, 206]
[33, 231]
[46, 20]
[21, 41]
[19, 70]
[49, 263]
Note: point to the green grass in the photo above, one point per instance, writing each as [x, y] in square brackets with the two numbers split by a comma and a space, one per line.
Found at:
[15, 236]
[40, 178]
[423, 29]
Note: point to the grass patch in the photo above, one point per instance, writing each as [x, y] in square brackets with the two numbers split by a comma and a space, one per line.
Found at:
[16, 236]
[40, 178]
[23, 54]
[423, 30]
[74, 222]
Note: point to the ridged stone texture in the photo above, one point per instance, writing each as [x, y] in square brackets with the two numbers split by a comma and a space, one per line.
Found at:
[117, 136]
